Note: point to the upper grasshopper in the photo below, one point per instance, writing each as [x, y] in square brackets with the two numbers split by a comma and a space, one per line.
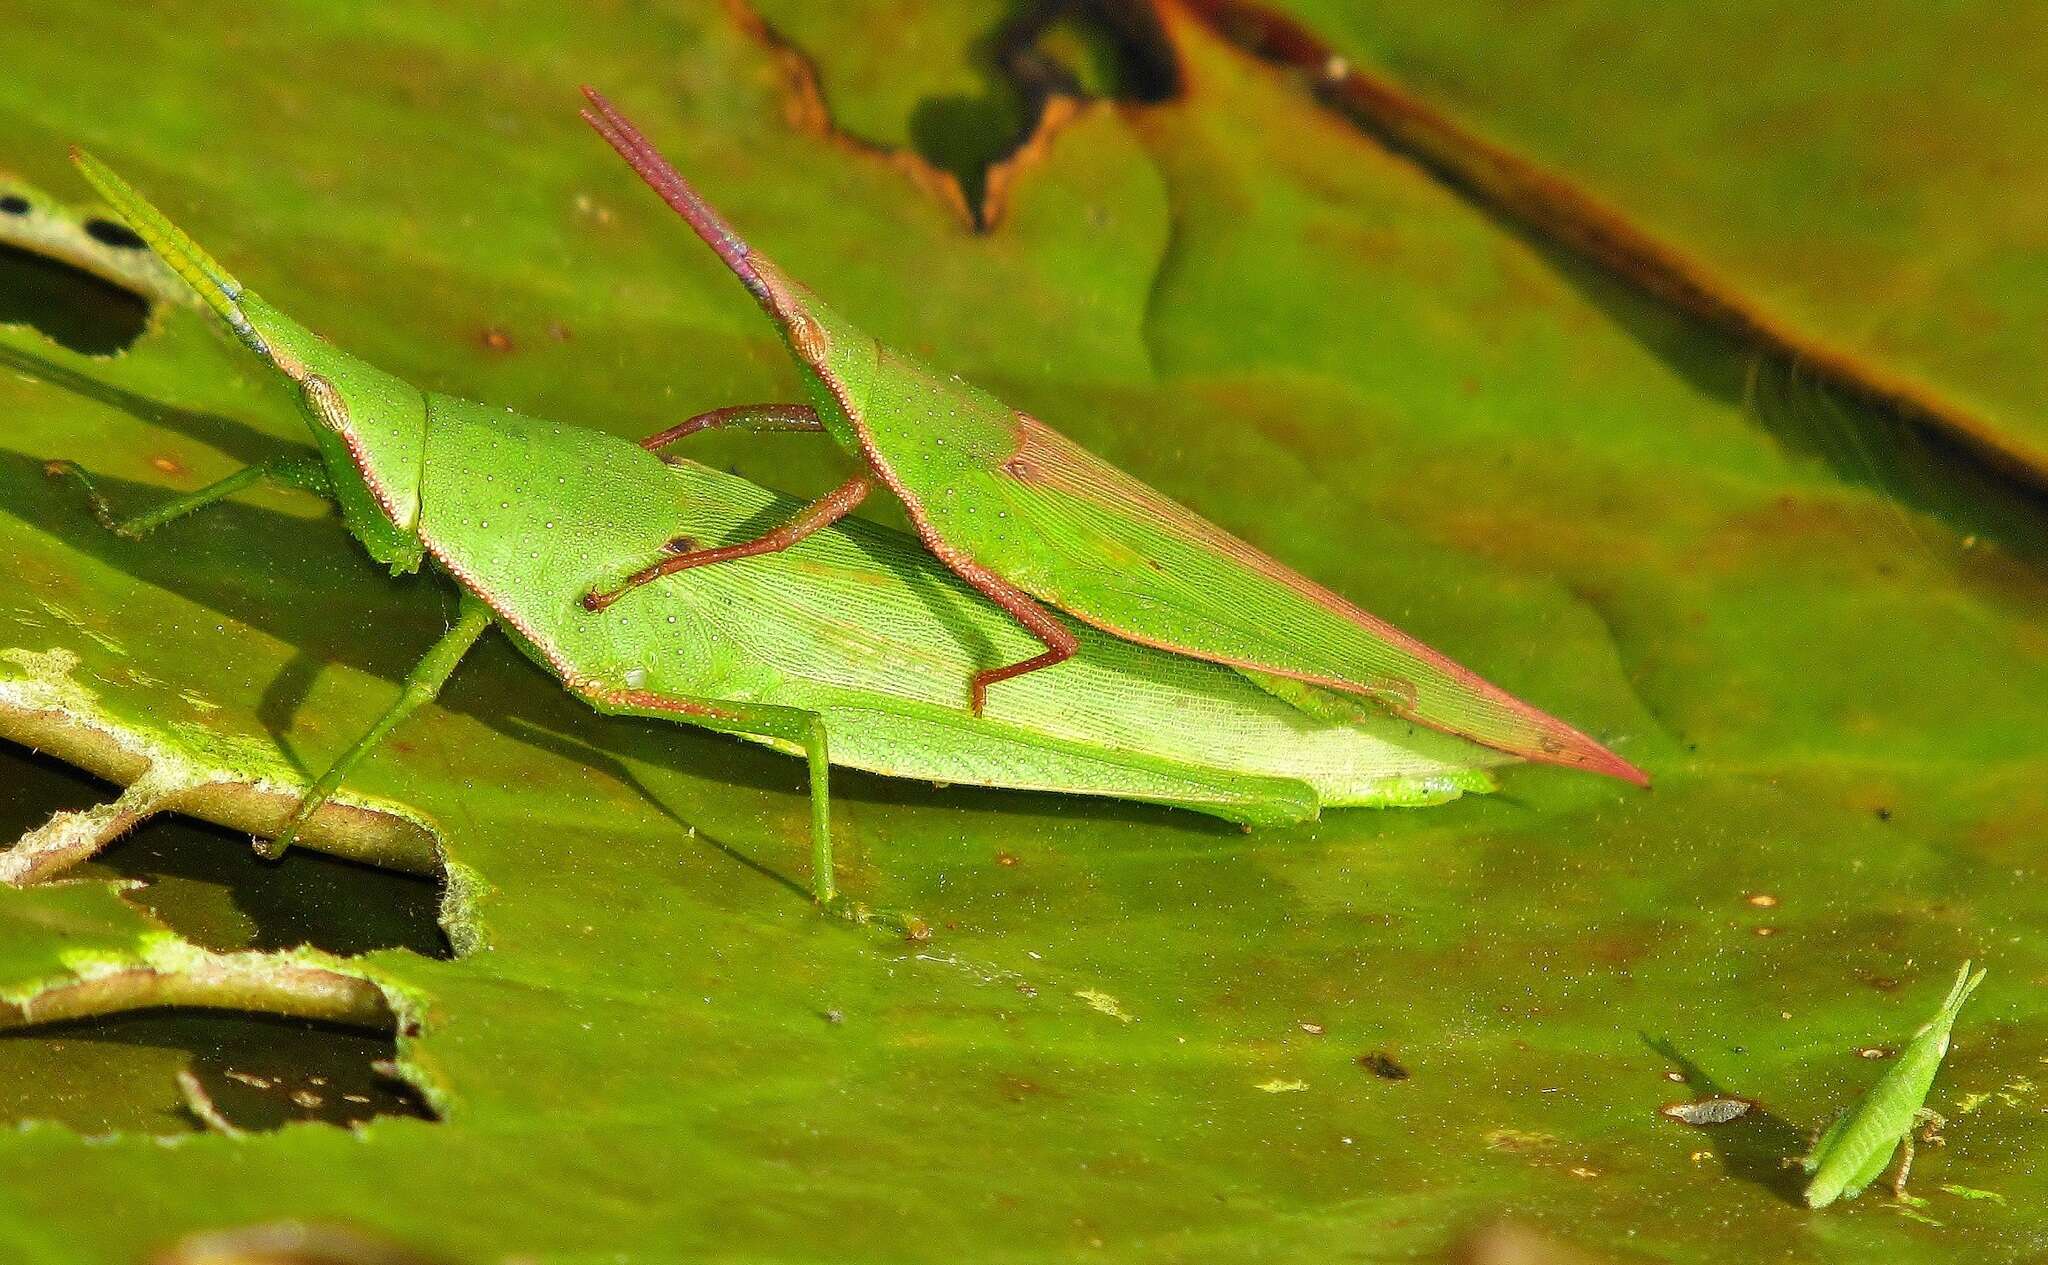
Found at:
[1027, 516]
[850, 647]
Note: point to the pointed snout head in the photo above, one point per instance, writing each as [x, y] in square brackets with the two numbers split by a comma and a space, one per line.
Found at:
[371, 427]
[377, 421]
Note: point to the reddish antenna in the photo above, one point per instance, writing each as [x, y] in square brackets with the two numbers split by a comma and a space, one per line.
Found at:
[619, 132]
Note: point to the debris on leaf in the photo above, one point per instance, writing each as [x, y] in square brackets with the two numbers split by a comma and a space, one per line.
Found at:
[1383, 1066]
[1708, 1111]
[1108, 1005]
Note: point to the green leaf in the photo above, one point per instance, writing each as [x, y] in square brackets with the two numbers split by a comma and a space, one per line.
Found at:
[1136, 1033]
[1861, 194]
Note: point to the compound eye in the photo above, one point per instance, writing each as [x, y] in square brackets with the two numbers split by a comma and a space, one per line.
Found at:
[324, 402]
[809, 340]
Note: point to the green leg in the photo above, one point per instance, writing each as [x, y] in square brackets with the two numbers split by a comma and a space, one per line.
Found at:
[824, 883]
[421, 685]
[763, 720]
[789, 724]
[299, 471]
[1930, 1123]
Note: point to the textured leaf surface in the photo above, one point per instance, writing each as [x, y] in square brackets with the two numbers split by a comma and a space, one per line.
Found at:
[1874, 185]
[1137, 1032]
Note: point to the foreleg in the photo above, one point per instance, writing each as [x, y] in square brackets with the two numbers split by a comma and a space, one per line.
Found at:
[301, 470]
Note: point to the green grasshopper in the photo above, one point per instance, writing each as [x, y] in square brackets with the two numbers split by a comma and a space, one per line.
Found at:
[1026, 516]
[850, 647]
[1852, 1152]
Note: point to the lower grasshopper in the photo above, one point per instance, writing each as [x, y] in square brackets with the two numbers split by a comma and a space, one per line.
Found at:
[850, 647]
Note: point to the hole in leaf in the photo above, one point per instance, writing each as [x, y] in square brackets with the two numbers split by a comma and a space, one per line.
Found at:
[1032, 52]
[119, 1074]
[1109, 49]
[14, 204]
[69, 306]
[1090, 49]
[112, 234]
[208, 885]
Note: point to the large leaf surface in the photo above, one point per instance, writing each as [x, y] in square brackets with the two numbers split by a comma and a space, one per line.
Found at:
[1136, 1031]
[1864, 178]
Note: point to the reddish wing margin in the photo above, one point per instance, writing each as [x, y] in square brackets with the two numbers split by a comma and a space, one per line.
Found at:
[1211, 595]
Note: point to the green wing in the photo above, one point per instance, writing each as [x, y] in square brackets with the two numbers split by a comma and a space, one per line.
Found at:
[1082, 535]
[860, 626]
[1069, 528]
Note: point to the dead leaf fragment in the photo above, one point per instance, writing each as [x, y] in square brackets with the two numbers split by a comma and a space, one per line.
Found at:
[1701, 1112]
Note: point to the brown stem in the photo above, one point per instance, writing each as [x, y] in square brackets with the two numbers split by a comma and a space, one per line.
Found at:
[345, 830]
[262, 983]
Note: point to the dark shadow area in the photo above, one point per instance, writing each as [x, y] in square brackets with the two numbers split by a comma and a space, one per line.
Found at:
[289, 689]
[119, 1074]
[235, 438]
[1041, 49]
[1861, 440]
[68, 305]
[1085, 49]
[1894, 445]
[1752, 1149]
[208, 885]
[115, 234]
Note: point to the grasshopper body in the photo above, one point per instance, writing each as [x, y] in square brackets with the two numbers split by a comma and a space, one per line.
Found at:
[851, 646]
[1855, 1149]
[1027, 516]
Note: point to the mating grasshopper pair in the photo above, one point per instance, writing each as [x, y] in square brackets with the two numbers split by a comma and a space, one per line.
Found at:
[1205, 674]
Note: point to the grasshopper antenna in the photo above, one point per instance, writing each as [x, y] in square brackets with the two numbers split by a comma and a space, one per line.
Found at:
[186, 257]
[619, 132]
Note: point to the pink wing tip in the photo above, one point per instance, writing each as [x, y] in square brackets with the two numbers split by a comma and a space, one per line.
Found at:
[1581, 752]
[1615, 766]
